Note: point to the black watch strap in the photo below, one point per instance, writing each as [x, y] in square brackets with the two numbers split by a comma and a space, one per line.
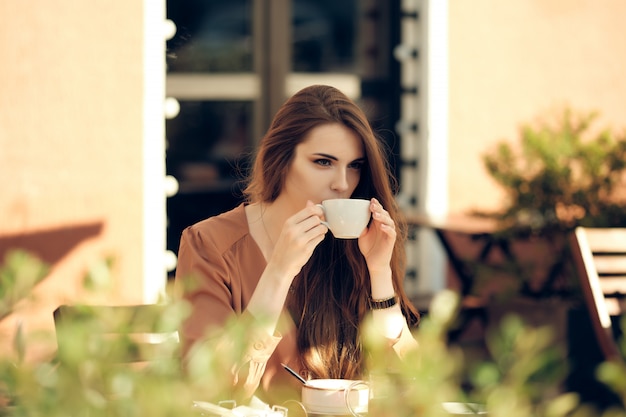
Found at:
[383, 303]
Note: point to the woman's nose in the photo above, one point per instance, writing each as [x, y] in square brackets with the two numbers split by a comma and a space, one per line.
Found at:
[340, 181]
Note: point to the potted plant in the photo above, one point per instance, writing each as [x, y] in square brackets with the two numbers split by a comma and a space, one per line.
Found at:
[562, 175]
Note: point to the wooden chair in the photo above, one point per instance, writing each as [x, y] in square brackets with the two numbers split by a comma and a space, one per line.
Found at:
[119, 334]
[599, 255]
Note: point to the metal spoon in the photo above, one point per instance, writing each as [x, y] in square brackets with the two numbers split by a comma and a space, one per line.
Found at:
[294, 373]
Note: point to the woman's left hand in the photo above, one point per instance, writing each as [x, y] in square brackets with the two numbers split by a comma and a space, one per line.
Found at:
[377, 241]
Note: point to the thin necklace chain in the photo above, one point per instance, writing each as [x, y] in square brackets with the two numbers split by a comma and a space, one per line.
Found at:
[291, 289]
[265, 227]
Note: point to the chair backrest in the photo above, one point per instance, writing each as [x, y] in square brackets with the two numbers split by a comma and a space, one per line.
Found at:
[608, 247]
[599, 255]
[121, 334]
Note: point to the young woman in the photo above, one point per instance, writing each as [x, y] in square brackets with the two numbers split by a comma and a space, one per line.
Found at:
[272, 261]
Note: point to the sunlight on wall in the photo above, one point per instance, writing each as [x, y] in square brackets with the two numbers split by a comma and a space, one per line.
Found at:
[156, 29]
[434, 178]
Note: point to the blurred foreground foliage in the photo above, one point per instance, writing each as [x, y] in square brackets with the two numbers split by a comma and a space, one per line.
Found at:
[20, 272]
[522, 380]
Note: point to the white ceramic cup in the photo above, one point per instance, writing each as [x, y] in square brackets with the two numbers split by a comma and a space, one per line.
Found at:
[335, 397]
[346, 217]
[463, 409]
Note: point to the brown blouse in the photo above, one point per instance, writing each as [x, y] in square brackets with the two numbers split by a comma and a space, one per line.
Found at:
[221, 252]
[224, 262]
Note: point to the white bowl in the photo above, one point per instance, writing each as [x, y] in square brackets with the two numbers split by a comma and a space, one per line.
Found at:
[330, 396]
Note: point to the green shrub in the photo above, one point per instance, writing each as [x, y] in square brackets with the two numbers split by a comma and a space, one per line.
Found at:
[562, 174]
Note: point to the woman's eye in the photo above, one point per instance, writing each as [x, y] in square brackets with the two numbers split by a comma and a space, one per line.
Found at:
[356, 165]
[323, 162]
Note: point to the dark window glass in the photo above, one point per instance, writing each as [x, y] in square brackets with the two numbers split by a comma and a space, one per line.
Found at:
[216, 35]
[208, 154]
[206, 143]
[324, 35]
[211, 36]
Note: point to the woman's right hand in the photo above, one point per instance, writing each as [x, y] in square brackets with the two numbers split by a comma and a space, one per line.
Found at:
[299, 237]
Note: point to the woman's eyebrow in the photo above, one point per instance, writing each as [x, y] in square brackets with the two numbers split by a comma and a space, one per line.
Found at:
[334, 158]
[325, 155]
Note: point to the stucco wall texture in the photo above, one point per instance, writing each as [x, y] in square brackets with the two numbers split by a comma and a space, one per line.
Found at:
[518, 61]
[71, 147]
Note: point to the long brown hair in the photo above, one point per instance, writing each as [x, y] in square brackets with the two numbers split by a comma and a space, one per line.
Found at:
[329, 297]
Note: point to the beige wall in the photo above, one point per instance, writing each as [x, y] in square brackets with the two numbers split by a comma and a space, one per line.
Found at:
[71, 128]
[516, 60]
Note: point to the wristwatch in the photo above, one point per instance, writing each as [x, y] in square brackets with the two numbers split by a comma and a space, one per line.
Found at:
[383, 303]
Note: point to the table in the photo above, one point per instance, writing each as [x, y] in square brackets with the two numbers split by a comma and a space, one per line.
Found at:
[499, 250]
[495, 268]
[478, 229]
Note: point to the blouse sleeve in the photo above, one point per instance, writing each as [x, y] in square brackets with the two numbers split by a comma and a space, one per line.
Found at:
[404, 343]
[205, 281]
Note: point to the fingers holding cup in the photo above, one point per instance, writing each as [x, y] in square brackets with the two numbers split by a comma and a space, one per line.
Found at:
[382, 218]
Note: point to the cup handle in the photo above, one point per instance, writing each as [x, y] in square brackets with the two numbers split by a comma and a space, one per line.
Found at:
[322, 221]
[347, 392]
[295, 408]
